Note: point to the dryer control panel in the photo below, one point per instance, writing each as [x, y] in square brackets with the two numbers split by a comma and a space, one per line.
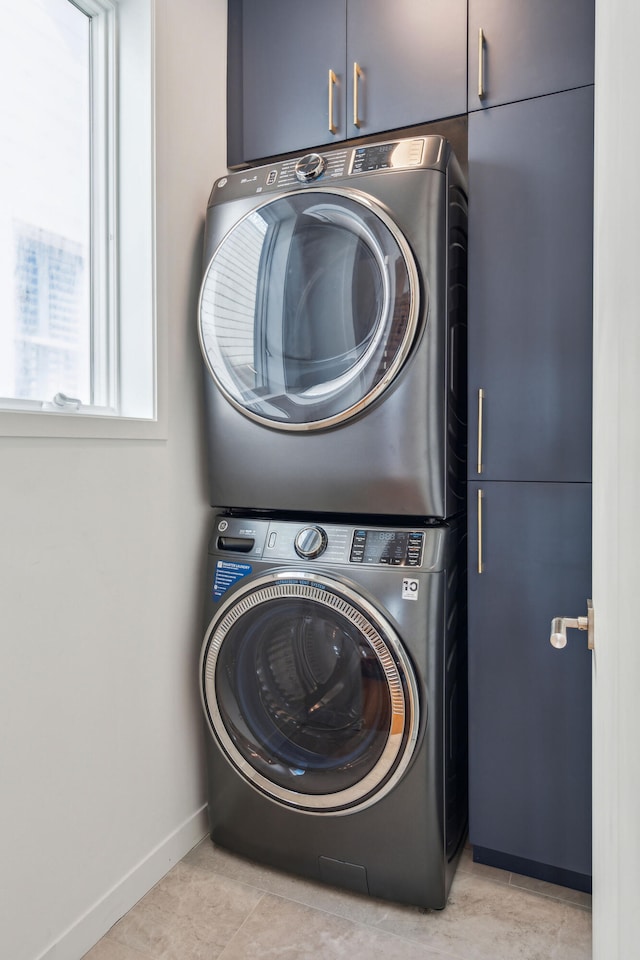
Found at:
[329, 543]
[317, 169]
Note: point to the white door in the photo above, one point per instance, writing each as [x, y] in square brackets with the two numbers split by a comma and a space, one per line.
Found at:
[616, 563]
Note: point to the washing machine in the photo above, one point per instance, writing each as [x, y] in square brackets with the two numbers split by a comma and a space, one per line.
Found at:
[332, 322]
[333, 682]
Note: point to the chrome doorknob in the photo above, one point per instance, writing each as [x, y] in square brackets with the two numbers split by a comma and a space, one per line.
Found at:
[560, 625]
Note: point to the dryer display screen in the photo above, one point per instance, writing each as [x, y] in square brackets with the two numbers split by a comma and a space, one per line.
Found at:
[393, 547]
[382, 156]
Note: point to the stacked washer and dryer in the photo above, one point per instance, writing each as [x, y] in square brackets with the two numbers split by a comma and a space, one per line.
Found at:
[332, 322]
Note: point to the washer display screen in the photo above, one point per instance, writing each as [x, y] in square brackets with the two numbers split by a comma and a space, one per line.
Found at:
[393, 547]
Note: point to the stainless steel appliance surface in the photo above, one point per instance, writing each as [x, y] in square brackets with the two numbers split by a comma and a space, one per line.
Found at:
[333, 683]
[332, 322]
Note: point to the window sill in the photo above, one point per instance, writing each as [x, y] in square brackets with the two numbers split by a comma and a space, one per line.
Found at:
[45, 424]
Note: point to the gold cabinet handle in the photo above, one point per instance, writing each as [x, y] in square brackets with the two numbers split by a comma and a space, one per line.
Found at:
[480, 416]
[480, 560]
[357, 73]
[480, 63]
[332, 82]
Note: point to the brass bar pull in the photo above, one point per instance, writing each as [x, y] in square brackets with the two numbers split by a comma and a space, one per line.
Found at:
[332, 81]
[480, 63]
[357, 73]
[480, 416]
[480, 560]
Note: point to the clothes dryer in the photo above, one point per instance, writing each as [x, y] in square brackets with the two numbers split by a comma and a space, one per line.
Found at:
[333, 682]
[332, 322]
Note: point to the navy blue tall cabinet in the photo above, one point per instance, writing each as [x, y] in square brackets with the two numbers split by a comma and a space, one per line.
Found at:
[529, 492]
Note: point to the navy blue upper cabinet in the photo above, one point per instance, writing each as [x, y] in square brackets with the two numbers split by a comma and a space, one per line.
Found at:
[406, 63]
[280, 56]
[292, 67]
[530, 289]
[528, 48]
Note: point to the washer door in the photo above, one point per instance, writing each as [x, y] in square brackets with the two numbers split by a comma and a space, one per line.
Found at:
[308, 309]
[309, 692]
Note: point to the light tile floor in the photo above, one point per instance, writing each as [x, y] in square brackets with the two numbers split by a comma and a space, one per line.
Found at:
[216, 906]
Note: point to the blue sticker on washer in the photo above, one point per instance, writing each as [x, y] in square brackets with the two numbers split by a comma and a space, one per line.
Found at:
[228, 573]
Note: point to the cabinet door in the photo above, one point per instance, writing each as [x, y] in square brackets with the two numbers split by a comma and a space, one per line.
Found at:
[530, 704]
[279, 97]
[530, 296]
[412, 58]
[530, 48]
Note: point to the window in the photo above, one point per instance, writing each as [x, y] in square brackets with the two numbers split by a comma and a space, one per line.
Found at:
[51, 340]
[77, 332]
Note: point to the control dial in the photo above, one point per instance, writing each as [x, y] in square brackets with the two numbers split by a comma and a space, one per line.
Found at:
[310, 167]
[310, 542]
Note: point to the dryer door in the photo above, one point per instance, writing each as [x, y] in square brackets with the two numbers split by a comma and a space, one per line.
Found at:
[309, 692]
[308, 309]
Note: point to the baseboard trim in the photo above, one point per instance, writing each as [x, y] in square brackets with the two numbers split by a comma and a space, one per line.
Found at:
[89, 928]
[530, 868]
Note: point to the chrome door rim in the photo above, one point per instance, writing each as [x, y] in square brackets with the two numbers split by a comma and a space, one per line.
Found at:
[407, 341]
[403, 735]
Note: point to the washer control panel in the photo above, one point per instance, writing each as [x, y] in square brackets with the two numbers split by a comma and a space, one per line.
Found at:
[328, 543]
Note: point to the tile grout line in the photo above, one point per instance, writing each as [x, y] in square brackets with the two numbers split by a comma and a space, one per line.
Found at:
[304, 903]
[111, 940]
[549, 896]
[246, 919]
[167, 913]
[525, 889]
[438, 953]
[225, 876]
[469, 873]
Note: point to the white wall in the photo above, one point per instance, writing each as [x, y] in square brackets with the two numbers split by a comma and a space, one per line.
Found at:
[616, 780]
[101, 555]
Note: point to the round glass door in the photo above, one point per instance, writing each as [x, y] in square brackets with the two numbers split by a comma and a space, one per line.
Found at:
[308, 309]
[309, 692]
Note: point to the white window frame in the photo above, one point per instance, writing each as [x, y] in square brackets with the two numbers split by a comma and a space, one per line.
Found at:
[122, 241]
